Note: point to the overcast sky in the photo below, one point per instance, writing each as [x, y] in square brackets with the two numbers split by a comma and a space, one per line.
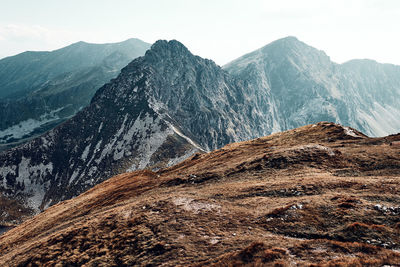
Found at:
[221, 30]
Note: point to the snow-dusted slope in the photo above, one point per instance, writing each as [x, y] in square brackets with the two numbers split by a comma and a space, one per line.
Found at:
[118, 131]
[162, 108]
[304, 86]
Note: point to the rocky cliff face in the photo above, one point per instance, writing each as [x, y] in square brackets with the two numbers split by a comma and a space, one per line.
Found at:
[39, 90]
[162, 108]
[212, 107]
[304, 86]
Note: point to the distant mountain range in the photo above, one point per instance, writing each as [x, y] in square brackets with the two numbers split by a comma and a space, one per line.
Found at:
[39, 90]
[302, 86]
[170, 104]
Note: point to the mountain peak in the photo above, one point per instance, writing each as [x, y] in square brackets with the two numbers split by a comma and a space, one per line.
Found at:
[288, 43]
[172, 45]
[132, 40]
[75, 45]
[165, 49]
[281, 51]
[288, 39]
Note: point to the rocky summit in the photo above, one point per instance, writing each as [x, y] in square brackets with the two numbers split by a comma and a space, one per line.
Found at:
[299, 85]
[318, 195]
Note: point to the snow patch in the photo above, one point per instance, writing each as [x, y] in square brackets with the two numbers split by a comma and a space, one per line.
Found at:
[176, 160]
[139, 126]
[92, 170]
[48, 139]
[74, 175]
[108, 148]
[85, 152]
[149, 144]
[27, 172]
[96, 149]
[100, 127]
[26, 127]
[5, 171]
[350, 132]
[47, 204]
[185, 137]
[152, 143]
[32, 177]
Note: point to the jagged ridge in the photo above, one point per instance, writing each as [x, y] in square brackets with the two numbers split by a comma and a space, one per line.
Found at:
[160, 109]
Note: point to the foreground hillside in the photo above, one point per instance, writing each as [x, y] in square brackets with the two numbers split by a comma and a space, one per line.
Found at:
[322, 194]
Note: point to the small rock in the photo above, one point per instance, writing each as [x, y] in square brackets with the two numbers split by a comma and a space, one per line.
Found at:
[378, 207]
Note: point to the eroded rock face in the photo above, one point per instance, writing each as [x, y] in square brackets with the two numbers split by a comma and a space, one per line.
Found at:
[162, 108]
[302, 85]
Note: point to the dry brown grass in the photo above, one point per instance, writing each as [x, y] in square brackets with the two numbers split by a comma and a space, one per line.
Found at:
[305, 197]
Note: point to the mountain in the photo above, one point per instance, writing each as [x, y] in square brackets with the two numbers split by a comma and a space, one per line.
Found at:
[304, 86]
[319, 195]
[162, 108]
[39, 90]
[169, 104]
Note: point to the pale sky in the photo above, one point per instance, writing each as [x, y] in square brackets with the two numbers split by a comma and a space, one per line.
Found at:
[221, 30]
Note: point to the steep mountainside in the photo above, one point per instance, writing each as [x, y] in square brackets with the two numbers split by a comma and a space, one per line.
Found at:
[304, 86]
[168, 104]
[319, 195]
[161, 108]
[39, 90]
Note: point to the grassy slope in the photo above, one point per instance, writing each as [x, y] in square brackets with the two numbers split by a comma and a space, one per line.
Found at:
[305, 196]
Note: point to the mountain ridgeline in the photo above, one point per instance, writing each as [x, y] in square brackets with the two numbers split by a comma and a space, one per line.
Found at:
[304, 86]
[39, 90]
[169, 104]
[162, 108]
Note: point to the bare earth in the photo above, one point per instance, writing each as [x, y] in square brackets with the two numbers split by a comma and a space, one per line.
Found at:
[319, 195]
